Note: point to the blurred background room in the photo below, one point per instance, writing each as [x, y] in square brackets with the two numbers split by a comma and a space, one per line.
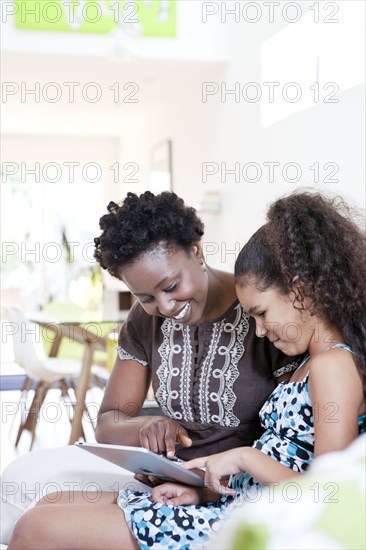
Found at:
[230, 104]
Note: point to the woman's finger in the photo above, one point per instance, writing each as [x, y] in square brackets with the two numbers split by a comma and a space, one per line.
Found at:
[143, 479]
[170, 443]
[144, 441]
[155, 481]
[183, 438]
[153, 443]
[195, 463]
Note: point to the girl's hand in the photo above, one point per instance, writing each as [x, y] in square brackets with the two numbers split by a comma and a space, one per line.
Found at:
[218, 466]
[176, 495]
[160, 435]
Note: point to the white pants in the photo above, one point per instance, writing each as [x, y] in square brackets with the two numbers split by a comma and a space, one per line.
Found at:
[65, 469]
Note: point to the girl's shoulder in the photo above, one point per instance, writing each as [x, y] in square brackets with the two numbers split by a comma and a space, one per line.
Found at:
[333, 358]
[322, 362]
[334, 376]
[336, 362]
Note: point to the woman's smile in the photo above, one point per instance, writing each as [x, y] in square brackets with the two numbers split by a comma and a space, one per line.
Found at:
[184, 313]
[169, 283]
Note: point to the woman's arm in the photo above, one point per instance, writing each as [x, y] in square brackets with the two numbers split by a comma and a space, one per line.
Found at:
[118, 420]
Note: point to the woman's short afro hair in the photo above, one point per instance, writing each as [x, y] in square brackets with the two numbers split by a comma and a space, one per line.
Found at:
[142, 222]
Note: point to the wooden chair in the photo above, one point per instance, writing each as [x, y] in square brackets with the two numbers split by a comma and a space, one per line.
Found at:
[42, 371]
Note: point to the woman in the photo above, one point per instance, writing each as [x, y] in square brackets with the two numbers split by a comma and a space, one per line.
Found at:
[302, 278]
[187, 332]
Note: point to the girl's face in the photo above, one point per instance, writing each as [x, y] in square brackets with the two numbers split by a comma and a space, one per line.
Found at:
[289, 329]
[170, 283]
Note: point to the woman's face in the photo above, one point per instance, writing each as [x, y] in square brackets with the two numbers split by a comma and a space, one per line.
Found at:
[290, 330]
[169, 282]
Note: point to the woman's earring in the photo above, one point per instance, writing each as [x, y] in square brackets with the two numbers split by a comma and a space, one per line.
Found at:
[204, 268]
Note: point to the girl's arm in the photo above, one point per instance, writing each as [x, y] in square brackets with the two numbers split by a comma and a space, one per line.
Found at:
[335, 389]
[175, 494]
[262, 467]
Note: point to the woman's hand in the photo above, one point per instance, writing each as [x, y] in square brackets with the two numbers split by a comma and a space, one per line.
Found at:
[160, 435]
[218, 466]
[176, 495]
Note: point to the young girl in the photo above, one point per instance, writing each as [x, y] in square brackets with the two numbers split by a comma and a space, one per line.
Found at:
[302, 277]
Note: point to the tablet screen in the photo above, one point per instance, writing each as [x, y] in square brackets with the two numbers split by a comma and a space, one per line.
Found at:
[142, 461]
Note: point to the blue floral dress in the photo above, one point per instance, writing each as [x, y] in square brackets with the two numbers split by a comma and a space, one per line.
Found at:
[288, 419]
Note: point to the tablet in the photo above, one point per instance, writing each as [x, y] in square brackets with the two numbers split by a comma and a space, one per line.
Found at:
[142, 461]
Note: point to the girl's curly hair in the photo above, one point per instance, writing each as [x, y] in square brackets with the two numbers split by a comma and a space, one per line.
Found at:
[315, 239]
[141, 223]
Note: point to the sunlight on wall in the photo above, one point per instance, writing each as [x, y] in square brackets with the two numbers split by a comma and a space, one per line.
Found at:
[307, 63]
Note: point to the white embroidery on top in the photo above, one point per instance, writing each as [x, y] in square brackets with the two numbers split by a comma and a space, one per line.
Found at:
[216, 397]
[124, 355]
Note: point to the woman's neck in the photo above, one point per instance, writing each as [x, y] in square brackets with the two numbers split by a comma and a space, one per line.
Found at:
[221, 293]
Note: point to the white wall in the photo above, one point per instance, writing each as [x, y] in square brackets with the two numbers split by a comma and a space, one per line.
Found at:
[170, 107]
[330, 134]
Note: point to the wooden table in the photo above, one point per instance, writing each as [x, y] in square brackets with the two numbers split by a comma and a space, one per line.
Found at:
[78, 330]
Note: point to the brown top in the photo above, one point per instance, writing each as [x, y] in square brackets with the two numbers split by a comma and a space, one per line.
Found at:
[212, 378]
